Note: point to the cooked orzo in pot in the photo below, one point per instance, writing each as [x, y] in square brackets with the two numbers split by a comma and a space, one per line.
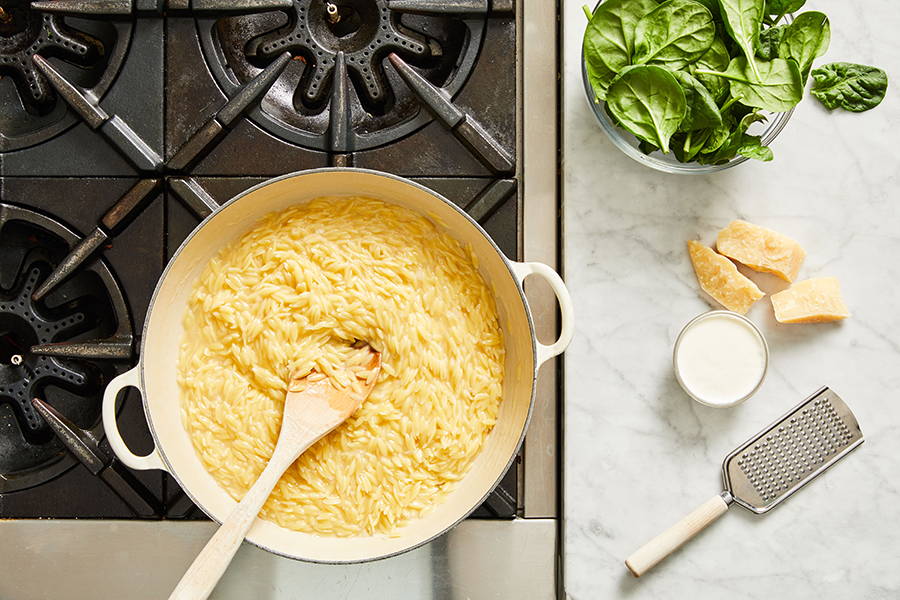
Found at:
[294, 293]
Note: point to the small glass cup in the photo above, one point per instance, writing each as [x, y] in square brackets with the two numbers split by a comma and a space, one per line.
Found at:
[711, 314]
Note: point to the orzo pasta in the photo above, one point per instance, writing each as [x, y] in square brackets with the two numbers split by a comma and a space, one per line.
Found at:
[294, 292]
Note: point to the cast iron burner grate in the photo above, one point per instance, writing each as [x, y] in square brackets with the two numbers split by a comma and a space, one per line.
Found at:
[89, 51]
[88, 305]
[24, 33]
[340, 78]
[362, 30]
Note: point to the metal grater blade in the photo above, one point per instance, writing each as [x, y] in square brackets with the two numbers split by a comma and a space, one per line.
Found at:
[788, 454]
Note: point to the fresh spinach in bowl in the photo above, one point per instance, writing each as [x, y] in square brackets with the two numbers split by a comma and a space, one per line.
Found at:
[691, 76]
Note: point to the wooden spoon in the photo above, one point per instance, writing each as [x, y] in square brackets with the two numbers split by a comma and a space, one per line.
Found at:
[315, 405]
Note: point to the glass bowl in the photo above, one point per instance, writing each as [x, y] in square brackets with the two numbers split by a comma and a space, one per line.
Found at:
[628, 143]
[710, 315]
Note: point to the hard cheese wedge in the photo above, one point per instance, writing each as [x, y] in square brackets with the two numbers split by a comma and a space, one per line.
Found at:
[720, 279]
[761, 249]
[815, 300]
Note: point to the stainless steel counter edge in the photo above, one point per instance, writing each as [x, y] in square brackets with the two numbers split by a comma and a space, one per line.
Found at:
[142, 560]
[540, 214]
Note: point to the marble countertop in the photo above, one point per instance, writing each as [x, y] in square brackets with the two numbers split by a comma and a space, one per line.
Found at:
[639, 454]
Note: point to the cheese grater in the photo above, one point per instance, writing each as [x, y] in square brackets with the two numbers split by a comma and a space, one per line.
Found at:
[767, 469]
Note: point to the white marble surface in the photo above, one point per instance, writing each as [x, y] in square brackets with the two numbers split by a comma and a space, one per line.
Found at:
[639, 453]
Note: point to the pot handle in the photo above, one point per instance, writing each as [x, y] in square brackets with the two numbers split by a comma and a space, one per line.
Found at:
[567, 315]
[110, 395]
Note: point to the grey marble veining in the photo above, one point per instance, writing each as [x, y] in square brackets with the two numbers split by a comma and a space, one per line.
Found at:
[639, 454]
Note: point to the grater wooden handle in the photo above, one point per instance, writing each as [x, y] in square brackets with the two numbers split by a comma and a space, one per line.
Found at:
[651, 553]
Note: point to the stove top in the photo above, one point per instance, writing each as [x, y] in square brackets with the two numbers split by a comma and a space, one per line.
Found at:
[124, 122]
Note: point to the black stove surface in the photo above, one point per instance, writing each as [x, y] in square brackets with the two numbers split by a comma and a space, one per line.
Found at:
[132, 124]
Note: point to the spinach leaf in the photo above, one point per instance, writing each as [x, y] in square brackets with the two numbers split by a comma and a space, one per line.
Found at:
[751, 146]
[646, 147]
[749, 119]
[711, 5]
[744, 145]
[599, 75]
[806, 39]
[743, 19]
[778, 88]
[853, 87]
[714, 59]
[675, 34]
[686, 146]
[698, 142]
[769, 40]
[609, 37]
[702, 111]
[779, 8]
[647, 101]
[735, 138]
[716, 139]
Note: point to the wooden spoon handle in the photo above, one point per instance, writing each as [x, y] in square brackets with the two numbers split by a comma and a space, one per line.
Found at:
[209, 566]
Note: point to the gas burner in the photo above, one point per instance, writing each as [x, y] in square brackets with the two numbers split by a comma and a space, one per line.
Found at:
[25, 33]
[363, 30]
[33, 359]
[89, 51]
[340, 93]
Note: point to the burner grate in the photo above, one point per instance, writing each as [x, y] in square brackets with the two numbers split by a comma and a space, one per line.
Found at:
[27, 32]
[22, 325]
[340, 78]
[87, 306]
[362, 31]
[90, 52]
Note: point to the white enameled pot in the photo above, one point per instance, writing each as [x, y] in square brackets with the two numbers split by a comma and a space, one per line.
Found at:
[155, 374]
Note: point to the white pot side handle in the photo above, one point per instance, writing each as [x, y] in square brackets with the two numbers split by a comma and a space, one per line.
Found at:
[566, 312]
[141, 463]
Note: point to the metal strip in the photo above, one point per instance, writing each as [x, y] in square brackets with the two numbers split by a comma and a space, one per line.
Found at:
[143, 561]
[540, 218]
[194, 196]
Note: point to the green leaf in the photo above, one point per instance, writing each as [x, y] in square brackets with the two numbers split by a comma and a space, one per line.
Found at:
[725, 147]
[714, 59]
[702, 111]
[778, 8]
[716, 140]
[748, 120]
[711, 5]
[700, 140]
[751, 146]
[743, 19]
[646, 147]
[674, 35]
[648, 102]
[599, 75]
[778, 88]
[686, 146]
[609, 37]
[806, 39]
[769, 40]
[853, 87]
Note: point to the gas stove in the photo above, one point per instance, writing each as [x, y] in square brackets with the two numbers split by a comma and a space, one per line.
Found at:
[123, 123]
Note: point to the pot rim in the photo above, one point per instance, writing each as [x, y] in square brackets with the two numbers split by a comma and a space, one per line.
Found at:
[506, 262]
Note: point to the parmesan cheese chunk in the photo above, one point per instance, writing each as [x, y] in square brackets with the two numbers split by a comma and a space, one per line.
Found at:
[761, 249]
[815, 300]
[720, 279]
